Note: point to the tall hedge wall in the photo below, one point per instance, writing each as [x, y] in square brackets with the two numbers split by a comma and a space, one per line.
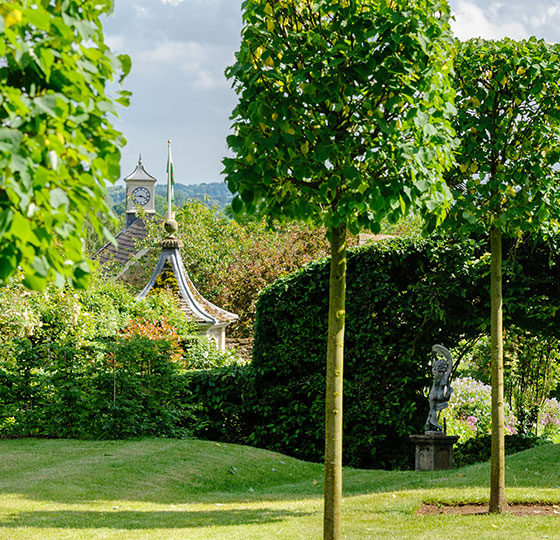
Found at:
[403, 296]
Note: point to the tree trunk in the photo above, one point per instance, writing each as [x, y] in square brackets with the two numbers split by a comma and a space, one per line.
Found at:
[333, 403]
[498, 502]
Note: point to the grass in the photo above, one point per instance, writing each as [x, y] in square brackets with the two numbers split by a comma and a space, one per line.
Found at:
[191, 490]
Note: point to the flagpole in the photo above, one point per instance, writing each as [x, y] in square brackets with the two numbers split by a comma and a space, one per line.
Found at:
[169, 180]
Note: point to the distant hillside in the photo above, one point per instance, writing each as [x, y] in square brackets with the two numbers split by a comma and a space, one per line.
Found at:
[215, 193]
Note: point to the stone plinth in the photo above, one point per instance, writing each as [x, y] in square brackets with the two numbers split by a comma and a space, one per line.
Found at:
[434, 451]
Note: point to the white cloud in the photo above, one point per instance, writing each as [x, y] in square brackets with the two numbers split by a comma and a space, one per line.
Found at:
[203, 64]
[471, 21]
[540, 18]
[142, 12]
[115, 42]
[172, 2]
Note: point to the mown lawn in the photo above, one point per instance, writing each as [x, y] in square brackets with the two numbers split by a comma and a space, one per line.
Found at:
[168, 489]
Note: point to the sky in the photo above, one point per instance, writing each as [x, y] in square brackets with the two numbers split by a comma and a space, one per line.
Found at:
[180, 49]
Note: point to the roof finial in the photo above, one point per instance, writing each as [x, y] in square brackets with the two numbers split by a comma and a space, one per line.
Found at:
[139, 159]
[171, 241]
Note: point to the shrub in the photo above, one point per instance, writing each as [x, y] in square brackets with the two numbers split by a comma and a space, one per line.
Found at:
[548, 424]
[478, 449]
[399, 303]
[144, 366]
[97, 363]
[469, 413]
[202, 353]
[221, 398]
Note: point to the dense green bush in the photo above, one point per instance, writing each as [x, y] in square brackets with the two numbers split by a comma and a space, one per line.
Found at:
[221, 400]
[95, 363]
[477, 449]
[403, 296]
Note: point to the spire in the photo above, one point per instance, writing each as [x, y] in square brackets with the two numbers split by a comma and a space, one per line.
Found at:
[193, 304]
[139, 173]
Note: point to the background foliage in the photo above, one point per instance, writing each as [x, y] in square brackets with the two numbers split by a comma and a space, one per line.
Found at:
[531, 372]
[230, 261]
[97, 363]
[211, 193]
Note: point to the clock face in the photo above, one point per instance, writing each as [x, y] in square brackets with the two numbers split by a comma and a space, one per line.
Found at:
[141, 196]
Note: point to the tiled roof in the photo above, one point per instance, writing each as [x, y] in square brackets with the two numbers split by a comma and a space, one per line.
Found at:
[127, 241]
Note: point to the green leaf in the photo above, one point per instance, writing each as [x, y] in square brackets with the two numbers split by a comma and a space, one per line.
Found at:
[58, 197]
[350, 172]
[41, 267]
[9, 139]
[34, 281]
[126, 65]
[237, 205]
[47, 104]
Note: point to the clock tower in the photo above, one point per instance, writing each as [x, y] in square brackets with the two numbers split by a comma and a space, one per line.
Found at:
[140, 191]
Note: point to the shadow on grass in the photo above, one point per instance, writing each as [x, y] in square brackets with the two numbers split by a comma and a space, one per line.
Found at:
[130, 520]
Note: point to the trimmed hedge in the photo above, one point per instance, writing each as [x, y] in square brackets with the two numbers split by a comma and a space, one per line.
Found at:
[478, 449]
[219, 398]
[403, 296]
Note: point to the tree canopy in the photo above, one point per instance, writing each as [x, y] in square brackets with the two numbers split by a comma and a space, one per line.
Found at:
[343, 110]
[508, 123]
[57, 146]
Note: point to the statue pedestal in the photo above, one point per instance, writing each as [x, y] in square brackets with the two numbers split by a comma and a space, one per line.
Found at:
[434, 451]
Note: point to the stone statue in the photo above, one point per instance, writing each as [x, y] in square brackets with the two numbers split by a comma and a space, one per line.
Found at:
[442, 366]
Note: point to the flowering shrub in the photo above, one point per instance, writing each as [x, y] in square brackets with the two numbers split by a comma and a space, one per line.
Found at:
[17, 318]
[143, 343]
[470, 410]
[548, 423]
[531, 371]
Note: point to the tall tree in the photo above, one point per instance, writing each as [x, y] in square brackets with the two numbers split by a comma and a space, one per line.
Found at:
[342, 121]
[57, 147]
[505, 181]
